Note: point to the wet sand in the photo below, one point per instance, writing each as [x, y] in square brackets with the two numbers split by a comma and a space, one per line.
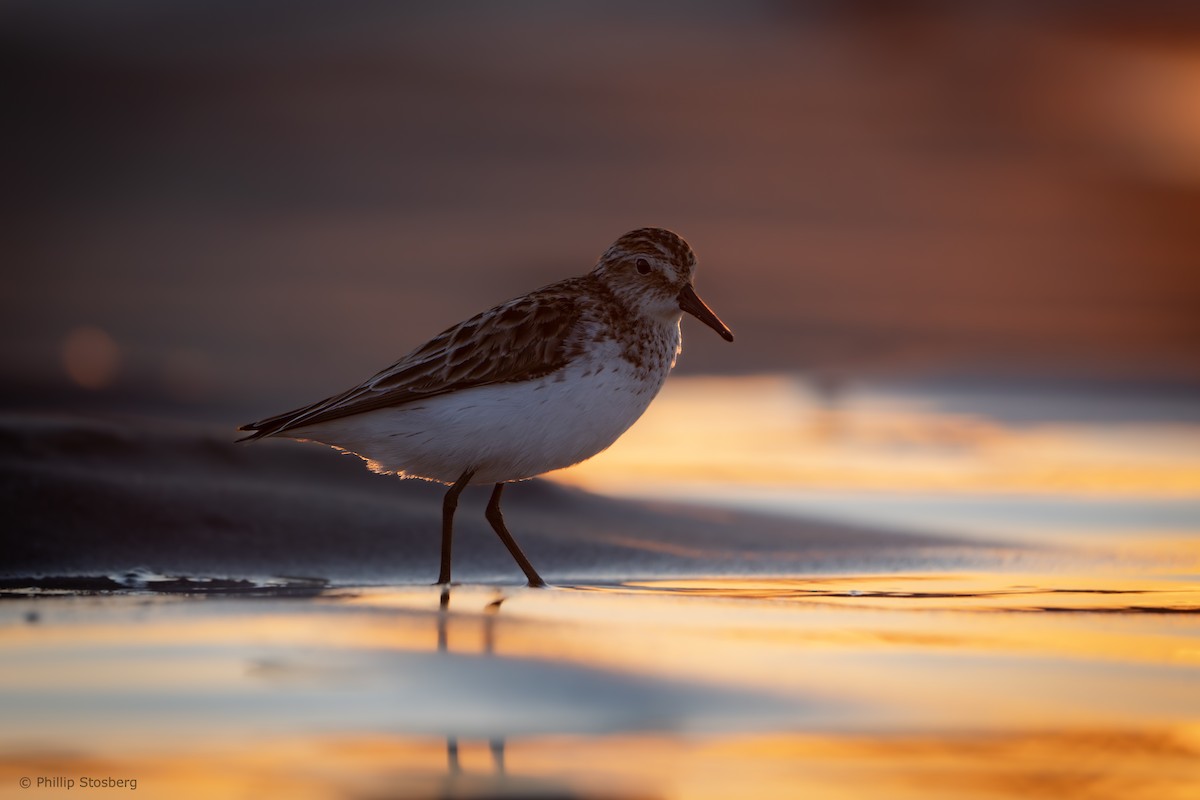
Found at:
[114, 498]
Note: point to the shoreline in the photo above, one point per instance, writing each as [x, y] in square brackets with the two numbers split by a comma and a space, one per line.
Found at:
[91, 497]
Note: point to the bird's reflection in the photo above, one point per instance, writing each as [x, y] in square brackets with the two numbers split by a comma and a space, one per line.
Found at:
[496, 745]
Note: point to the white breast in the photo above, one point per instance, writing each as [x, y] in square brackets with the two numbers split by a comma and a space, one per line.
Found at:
[509, 431]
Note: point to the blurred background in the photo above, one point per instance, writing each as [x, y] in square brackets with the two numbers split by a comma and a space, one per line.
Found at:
[219, 210]
[219, 202]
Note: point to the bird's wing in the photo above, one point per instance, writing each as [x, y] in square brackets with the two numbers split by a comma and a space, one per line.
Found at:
[520, 340]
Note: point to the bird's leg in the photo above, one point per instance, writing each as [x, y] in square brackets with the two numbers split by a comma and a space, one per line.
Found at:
[497, 520]
[443, 619]
[497, 748]
[449, 504]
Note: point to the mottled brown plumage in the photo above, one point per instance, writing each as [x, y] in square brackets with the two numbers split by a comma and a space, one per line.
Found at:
[523, 339]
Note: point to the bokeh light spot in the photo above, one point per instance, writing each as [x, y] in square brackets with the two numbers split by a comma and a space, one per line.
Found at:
[90, 357]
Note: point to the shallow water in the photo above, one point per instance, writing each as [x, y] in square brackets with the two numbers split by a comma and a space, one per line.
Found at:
[1017, 464]
[918, 685]
[1045, 645]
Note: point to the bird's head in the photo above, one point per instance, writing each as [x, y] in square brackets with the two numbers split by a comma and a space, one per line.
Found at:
[651, 270]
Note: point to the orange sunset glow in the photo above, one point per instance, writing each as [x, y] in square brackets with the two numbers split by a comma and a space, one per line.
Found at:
[788, 436]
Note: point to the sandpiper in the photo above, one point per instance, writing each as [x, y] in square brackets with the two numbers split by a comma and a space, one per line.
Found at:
[536, 384]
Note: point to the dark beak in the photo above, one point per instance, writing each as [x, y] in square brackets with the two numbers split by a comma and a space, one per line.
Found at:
[690, 302]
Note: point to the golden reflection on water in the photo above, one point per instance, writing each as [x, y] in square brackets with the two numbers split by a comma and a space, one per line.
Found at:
[982, 592]
[935, 685]
[1155, 764]
[786, 434]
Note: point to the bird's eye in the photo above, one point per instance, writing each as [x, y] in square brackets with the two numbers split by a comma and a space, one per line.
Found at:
[643, 266]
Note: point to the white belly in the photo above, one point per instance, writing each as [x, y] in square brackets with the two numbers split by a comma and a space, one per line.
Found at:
[505, 432]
